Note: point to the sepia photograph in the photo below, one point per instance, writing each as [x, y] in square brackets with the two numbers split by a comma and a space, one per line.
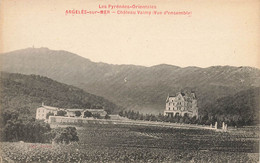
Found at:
[120, 81]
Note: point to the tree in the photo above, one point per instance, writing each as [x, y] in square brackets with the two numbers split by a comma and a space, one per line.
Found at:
[152, 118]
[121, 113]
[107, 116]
[8, 115]
[141, 117]
[77, 113]
[186, 119]
[136, 115]
[65, 135]
[160, 117]
[25, 130]
[24, 110]
[61, 113]
[194, 120]
[87, 114]
[96, 115]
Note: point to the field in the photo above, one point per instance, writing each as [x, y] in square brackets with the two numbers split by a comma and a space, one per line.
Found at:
[131, 143]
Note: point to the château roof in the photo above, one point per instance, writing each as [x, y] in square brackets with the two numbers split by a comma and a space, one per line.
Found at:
[49, 107]
[96, 110]
[70, 110]
[186, 96]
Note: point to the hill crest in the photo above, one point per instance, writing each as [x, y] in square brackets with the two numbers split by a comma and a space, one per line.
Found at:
[134, 87]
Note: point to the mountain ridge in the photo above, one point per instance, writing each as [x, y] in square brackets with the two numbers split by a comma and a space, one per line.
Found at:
[46, 49]
[134, 87]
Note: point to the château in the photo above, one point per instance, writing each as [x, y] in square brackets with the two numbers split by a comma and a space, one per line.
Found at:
[183, 104]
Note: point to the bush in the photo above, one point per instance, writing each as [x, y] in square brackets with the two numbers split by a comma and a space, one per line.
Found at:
[77, 113]
[96, 116]
[61, 113]
[65, 135]
[87, 114]
[27, 131]
[107, 116]
[30, 130]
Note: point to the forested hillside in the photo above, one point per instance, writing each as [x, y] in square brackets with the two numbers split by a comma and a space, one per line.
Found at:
[243, 107]
[27, 92]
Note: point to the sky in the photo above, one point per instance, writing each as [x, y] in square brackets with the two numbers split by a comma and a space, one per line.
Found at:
[223, 32]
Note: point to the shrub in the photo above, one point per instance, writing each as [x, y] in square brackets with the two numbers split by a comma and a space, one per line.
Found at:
[96, 116]
[65, 135]
[77, 113]
[107, 116]
[87, 114]
[61, 113]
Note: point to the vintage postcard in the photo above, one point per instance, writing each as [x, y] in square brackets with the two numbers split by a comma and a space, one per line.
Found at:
[129, 81]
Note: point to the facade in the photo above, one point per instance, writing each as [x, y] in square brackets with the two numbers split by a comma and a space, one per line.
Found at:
[182, 104]
[60, 119]
[41, 112]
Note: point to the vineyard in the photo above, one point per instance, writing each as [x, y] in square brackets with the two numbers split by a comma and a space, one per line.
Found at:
[130, 143]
